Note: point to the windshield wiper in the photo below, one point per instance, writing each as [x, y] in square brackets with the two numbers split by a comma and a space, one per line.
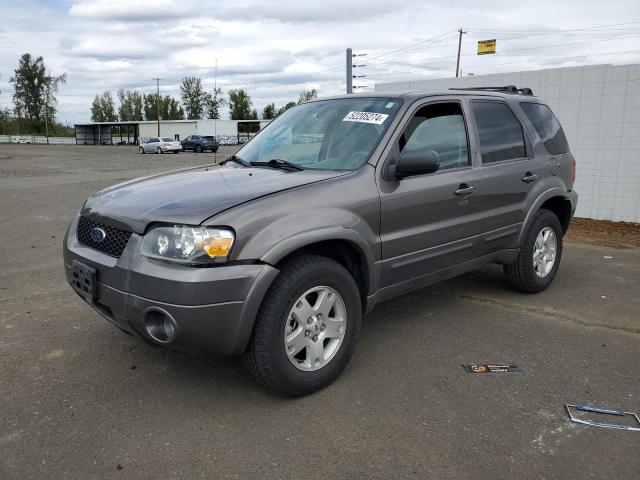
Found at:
[278, 163]
[238, 160]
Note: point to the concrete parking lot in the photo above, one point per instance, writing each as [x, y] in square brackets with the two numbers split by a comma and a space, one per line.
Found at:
[79, 399]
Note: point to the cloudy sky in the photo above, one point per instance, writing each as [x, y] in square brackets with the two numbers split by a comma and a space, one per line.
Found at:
[275, 49]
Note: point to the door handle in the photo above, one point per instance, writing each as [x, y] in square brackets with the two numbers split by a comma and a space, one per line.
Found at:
[464, 189]
[529, 177]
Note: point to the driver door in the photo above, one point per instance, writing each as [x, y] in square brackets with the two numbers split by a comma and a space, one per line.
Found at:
[428, 222]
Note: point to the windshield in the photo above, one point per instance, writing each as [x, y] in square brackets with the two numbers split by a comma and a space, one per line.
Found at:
[336, 134]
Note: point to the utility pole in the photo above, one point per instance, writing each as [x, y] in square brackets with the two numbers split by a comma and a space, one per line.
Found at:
[158, 102]
[460, 31]
[46, 113]
[349, 70]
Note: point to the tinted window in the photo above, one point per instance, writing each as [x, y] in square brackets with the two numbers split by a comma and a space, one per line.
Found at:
[500, 132]
[440, 128]
[547, 126]
[210, 139]
[167, 139]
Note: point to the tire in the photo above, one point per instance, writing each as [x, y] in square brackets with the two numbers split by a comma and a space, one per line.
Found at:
[214, 150]
[158, 150]
[198, 149]
[523, 275]
[266, 356]
[141, 150]
[176, 151]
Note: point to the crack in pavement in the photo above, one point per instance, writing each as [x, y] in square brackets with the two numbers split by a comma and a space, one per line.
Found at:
[545, 312]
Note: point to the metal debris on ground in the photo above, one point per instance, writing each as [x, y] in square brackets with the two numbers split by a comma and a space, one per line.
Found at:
[575, 410]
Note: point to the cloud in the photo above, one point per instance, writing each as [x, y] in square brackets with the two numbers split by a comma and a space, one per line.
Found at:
[129, 11]
[331, 11]
[277, 48]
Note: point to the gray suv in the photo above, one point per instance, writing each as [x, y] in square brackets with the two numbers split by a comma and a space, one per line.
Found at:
[336, 205]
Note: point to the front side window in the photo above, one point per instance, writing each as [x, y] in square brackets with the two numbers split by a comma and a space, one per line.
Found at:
[500, 132]
[547, 126]
[439, 127]
[335, 134]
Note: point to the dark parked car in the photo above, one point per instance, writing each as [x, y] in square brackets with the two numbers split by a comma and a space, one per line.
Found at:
[335, 206]
[199, 143]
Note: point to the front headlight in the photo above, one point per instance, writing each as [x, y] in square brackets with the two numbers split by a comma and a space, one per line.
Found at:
[186, 244]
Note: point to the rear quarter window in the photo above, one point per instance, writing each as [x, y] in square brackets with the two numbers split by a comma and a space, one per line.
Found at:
[547, 127]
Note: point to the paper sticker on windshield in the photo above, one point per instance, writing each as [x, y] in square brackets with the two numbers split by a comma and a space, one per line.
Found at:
[366, 117]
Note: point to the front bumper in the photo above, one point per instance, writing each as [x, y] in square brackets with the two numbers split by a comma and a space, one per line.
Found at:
[213, 308]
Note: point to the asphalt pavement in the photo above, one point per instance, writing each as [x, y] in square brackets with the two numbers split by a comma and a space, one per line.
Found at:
[80, 399]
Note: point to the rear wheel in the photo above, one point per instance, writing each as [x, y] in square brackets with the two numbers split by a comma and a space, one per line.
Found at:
[539, 257]
[158, 150]
[307, 327]
[198, 149]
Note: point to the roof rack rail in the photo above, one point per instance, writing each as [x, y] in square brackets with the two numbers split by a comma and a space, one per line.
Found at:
[512, 89]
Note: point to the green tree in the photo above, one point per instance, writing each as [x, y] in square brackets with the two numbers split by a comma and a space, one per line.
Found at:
[307, 96]
[194, 98]
[269, 111]
[51, 84]
[286, 107]
[131, 106]
[34, 92]
[170, 109]
[6, 122]
[213, 102]
[240, 105]
[103, 108]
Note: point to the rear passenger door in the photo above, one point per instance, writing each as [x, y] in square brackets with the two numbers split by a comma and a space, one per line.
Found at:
[509, 172]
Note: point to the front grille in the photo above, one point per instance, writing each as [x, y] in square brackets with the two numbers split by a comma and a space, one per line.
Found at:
[114, 242]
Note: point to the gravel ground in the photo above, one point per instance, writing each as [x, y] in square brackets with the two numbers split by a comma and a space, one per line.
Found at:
[79, 399]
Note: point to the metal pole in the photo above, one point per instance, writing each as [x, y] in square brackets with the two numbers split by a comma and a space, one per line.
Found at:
[460, 31]
[349, 71]
[158, 102]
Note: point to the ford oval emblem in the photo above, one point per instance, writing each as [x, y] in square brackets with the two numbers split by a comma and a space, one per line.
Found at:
[98, 234]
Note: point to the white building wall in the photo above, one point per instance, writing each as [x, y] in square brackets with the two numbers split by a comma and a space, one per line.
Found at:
[599, 108]
[168, 129]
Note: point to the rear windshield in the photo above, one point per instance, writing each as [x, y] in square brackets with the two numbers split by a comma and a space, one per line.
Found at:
[547, 126]
[167, 139]
[210, 139]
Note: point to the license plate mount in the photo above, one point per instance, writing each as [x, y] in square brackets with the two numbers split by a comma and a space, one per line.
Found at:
[83, 280]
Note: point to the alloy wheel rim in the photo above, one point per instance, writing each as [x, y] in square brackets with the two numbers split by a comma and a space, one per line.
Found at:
[315, 328]
[544, 252]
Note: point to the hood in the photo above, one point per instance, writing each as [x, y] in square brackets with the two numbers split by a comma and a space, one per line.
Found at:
[191, 196]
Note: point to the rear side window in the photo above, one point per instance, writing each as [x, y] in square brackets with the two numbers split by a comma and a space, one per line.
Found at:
[547, 126]
[500, 132]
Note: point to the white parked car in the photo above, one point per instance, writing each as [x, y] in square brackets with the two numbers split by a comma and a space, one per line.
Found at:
[159, 145]
[21, 140]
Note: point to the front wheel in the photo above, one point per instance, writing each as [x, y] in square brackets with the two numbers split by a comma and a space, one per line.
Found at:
[539, 257]
[307, 327]
[141, 150]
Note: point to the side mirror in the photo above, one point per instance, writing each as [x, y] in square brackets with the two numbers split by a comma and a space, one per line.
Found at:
[417, 163]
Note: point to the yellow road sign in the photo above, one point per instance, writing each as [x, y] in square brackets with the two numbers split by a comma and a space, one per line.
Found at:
[486, 46]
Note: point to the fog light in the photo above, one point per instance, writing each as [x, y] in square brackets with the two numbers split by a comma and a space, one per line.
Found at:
[159, 325]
